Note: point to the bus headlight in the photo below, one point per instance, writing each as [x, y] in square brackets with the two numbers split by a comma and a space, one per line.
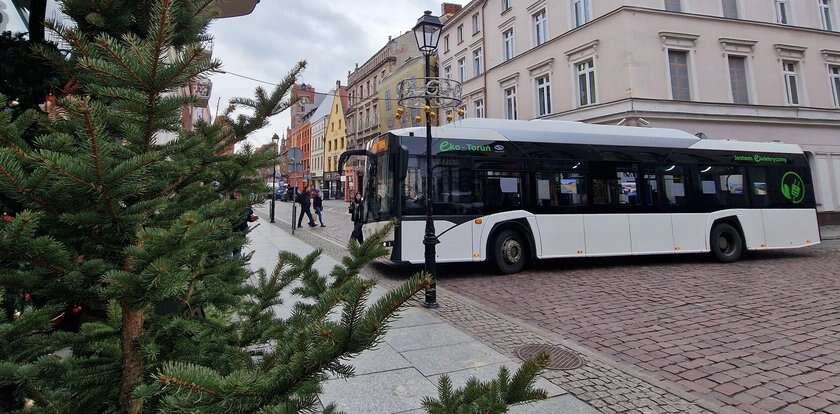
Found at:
[389, 243]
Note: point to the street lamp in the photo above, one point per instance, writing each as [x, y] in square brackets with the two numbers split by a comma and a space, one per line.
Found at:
[427, 34]
[276, 140]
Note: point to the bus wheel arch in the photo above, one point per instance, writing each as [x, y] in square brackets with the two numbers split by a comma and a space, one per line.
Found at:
[727, 242]
[506, 241]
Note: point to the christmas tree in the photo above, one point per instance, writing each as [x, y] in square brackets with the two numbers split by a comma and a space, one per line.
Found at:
[120, 280]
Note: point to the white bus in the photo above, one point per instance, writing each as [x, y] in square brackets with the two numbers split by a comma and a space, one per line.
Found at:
[510, 192]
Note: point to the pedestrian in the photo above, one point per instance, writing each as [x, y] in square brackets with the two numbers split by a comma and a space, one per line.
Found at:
[318, 204]
[304, 201]
[357, 215]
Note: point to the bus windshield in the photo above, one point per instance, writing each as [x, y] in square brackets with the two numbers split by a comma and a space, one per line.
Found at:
[380, 197]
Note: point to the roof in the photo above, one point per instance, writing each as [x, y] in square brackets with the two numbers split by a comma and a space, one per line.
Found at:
[569, 132]
[324, 108]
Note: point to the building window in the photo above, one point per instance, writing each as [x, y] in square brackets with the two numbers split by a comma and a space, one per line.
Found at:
[476, 23]
[826, 14]
[446, 43]
[782, 12]
[460, 33]
[834, 75]
[738, 79]
[477, 69]
[678, 70]
[543, 84]
[388, 101]
[586, 82]
[581, 12]
[507, 4]
[479, 107]
[510, 103]
[540, 28]
[462, 69]
[730, 9]
[447, 72]
[791, 72]
[673, 5]
[507, 46]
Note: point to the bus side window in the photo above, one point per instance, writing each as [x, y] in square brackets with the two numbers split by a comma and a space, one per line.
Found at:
[562, 190]
[674, 185]
[722, 187]
[614, 184]
[649, 192]
[758, 187]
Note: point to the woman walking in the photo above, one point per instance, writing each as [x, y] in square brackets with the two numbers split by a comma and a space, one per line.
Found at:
[357, 215]
[318, 204]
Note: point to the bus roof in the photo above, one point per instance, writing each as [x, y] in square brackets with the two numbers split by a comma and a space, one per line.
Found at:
[569, 132]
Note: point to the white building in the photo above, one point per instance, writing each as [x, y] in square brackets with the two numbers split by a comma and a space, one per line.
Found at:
[316, 142]
[760, 70]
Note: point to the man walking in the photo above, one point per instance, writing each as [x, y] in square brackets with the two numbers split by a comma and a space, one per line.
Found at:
[318, 204]
[357, 216]
[303, 200]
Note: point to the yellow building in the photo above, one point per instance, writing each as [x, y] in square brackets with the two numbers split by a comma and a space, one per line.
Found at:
[388, 95]
[335, 142]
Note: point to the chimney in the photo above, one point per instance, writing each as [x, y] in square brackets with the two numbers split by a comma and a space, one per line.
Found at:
[448, 9]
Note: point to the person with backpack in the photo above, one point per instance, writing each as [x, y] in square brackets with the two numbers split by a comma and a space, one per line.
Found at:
[304, 201]
[318, 205]
[358, 216]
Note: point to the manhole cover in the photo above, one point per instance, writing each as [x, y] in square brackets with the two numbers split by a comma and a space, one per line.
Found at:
[559, 357]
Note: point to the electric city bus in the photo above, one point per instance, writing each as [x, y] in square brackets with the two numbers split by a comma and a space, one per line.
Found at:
[510, 192]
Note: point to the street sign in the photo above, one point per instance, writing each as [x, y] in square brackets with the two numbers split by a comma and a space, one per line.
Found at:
[295, 155]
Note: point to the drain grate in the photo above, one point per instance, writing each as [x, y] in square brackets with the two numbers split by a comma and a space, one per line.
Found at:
[559, 358]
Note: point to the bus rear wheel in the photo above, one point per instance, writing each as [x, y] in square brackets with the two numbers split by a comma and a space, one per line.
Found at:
[510, 251]
[726, 243]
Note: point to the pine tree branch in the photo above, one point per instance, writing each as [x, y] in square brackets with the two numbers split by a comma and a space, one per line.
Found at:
[23, 191]
[94, 143]
[103, 45]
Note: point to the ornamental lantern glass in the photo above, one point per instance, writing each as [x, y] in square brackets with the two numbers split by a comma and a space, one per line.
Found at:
[427, 33]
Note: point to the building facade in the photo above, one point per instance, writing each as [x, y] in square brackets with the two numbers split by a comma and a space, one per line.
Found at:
[318, 120]
[299, 132]
[363, 84]
[336, 142]
[388, 94]
[759, 70]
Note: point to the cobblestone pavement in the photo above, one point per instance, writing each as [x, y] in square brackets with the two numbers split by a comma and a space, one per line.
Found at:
[598, 382]
[760, 335]
[664, 333]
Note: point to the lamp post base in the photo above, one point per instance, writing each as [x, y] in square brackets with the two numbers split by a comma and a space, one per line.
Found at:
[430, 240]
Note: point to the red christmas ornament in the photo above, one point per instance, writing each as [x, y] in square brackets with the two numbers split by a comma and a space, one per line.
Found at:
[76, 309]
[27, 297]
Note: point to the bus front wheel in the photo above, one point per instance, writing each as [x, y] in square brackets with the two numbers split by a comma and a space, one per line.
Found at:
[726, 243]
[510, 251]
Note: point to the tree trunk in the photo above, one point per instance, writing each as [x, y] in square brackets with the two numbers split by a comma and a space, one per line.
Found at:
[132, 366]
[37, 15]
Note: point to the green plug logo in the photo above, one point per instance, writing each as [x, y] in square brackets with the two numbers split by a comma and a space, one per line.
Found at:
[793, 187]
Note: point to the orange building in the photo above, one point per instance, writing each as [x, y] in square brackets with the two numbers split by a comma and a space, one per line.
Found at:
[300, 131]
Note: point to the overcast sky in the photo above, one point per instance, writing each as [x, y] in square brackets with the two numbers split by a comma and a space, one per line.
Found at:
[331, 35]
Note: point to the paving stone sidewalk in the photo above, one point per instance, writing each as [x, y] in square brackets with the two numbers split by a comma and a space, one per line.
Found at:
[416, 351]
[602, 382]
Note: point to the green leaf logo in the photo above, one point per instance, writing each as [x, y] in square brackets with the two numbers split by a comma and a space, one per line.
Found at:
[793, 187]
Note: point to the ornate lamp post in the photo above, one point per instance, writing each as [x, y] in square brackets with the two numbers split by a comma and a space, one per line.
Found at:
[276, 140]
[429, 94]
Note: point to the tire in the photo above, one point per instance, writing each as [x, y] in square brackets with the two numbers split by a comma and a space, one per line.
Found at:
[726, 243]
[510, 251]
